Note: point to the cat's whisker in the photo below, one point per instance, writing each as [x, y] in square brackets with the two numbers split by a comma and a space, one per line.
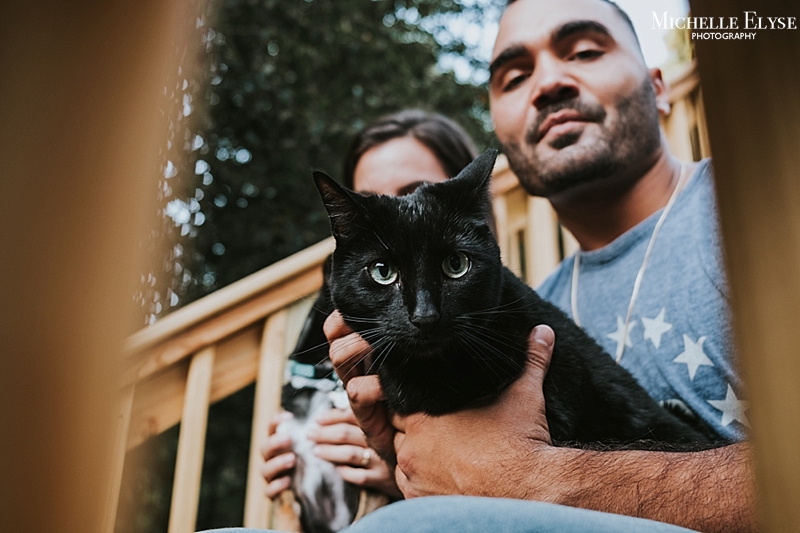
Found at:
[476, 355]
[503, 308]
[383, 354]
[310, 349]
[486, 333]
[492, 349]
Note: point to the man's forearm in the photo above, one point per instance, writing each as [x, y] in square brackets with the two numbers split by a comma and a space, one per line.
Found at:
[710, 491]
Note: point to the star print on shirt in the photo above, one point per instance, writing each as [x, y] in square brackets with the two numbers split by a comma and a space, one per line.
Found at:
[616, 336]
[693, 356]
[732, 408]
[654, 328]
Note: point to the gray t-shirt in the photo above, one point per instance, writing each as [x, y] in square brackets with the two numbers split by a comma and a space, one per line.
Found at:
[679, 343]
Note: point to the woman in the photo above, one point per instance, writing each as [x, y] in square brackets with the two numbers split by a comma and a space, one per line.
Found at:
[393, 156]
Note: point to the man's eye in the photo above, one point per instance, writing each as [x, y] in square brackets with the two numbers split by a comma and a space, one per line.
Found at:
[514, 80]
[588, 54]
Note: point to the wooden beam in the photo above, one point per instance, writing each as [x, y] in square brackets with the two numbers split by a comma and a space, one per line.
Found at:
[228, 297]
[158, 403]
[220, 326]
[191, 444]
[751, 90]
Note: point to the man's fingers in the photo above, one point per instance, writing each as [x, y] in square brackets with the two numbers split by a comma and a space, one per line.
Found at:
[403, 484]
[334, 326]
[364, 391]
[540, 349]
[347, 355]
[367, 400]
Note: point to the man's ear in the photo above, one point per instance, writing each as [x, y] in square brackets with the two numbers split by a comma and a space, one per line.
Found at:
[660, 89]
[340, 204]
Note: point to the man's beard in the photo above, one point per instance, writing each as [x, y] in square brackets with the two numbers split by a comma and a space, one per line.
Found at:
[635, 134]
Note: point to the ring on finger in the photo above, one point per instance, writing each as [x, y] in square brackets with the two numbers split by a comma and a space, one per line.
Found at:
[365, 457]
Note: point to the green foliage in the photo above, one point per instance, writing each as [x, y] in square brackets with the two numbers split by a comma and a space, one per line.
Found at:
[289, 83]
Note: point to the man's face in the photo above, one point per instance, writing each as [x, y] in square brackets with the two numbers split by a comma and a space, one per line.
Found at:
[572, 100]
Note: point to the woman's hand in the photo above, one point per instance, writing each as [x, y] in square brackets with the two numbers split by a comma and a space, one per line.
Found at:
[340, 441]
[279, 460]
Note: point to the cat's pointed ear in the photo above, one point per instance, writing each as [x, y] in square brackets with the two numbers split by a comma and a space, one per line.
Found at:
[342, 208]
[479, 172]
[476, 179]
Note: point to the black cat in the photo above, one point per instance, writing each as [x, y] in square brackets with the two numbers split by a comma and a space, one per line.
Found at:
[420, 278]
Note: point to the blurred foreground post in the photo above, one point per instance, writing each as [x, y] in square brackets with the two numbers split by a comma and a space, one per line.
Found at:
[752, 90]
[80, 88]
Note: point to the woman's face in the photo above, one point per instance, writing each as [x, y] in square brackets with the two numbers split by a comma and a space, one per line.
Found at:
[397, 167]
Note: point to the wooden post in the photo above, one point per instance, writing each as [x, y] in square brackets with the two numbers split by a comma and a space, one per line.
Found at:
[81, 87]
[267, 403]
[191, 444]
[280, 335]
[500, 206]
[752, 102]
[541, 241]
[120, 439]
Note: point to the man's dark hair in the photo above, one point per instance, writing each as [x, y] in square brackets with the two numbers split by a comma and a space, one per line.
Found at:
[447, 141]
[618, 9]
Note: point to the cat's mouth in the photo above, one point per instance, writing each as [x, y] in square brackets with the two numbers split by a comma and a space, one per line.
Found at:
[425, 345]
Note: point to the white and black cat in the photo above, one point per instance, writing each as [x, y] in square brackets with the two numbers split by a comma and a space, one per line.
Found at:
[420, 278]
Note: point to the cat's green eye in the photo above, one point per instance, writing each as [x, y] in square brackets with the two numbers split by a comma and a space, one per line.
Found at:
[383, 273]
[455, 265]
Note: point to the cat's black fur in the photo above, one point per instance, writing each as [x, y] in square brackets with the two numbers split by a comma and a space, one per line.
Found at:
[441, 344]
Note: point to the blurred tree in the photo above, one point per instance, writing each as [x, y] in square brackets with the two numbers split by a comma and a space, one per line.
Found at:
[680, 49]
[288, 85]
[285, 86]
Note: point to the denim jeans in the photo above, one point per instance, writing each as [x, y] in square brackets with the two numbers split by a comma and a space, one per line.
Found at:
[465, 514]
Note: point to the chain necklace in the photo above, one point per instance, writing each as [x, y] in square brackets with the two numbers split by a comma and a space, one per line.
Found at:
[638, 282]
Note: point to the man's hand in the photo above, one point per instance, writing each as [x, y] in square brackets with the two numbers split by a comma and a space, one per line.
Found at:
[467, 451]
[504, 450]
[348, 352]
[517, 418]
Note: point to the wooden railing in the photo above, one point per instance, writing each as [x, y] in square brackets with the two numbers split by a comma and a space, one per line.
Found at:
[243, 333]
[207, 351]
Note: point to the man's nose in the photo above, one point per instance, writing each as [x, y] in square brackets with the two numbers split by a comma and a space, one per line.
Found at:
[552, 82]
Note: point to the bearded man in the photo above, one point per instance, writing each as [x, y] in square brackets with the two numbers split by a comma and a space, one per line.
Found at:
[577, 113]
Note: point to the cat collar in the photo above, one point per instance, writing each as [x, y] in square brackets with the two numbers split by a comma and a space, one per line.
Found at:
[305, 376]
